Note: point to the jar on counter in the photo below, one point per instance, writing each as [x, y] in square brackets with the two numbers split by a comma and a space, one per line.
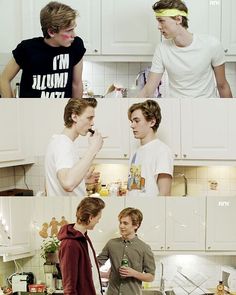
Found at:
[104, 192]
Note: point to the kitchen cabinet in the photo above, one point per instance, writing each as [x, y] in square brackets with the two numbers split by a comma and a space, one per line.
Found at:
[16, 134]
[172, 224]
[10, 15]
[210, 12]
[228, 31]
[220, 229]
[107, 27]
[108, 226]
[88, 22]
[15, 227]
[129, 27]
[207, 129]
[110, 119]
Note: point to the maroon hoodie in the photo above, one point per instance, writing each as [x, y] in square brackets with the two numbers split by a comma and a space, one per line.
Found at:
[75, 263]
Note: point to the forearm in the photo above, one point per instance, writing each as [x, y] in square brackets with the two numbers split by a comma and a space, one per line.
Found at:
[77, 90]
[72, 177]
[224, 90]
[6, 90]
[142, 276]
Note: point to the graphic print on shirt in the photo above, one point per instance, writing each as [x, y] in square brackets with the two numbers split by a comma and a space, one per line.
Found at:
[135, 179]
[56, 80]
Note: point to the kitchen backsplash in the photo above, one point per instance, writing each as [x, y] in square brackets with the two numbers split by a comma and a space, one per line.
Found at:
[216, 181]
[100, 75]
[209, 266]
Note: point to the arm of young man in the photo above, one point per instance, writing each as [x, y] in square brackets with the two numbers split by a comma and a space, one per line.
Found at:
[70, 178]
[221, 82]
[9, 72]
[164, 182]
[77, 85]
[153, 81]
[141, 276]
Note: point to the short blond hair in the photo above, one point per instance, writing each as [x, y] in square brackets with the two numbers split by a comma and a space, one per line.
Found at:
[56, 16]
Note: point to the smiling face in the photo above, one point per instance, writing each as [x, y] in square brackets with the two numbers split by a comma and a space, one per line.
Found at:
[127, 229]
[84, 121]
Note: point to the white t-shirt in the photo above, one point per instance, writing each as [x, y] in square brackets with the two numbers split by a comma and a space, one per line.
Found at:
[150, 160]
[61, 153]
[190, 69]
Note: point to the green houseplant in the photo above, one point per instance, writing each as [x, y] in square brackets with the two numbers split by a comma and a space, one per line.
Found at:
[49, 249]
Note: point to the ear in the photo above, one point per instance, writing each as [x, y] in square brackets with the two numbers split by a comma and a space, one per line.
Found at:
[50, 33]
[178, 19]
[152, 122]
[74, 118]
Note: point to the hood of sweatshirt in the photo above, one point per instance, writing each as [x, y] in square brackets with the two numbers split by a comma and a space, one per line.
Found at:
[68, 232]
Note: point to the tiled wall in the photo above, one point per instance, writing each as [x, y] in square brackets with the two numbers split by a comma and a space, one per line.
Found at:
[214, 181]
[209, 266]
[6, 269]
[101, 75]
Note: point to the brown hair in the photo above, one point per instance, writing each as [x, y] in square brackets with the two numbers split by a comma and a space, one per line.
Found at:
[77, 106]
[176, 4]
[89, 207]
[150, 110]
[135, 215]
[56, 16]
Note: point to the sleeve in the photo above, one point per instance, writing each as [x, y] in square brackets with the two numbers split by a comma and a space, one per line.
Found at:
[69, 261]
[63, 156]
[78, 50]
[19, 54]
[157, 63]
[103, 256]
[217, 52]
[149, 265]
[164, 162]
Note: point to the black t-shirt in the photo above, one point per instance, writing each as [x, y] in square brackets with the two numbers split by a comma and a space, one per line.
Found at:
[47, 71]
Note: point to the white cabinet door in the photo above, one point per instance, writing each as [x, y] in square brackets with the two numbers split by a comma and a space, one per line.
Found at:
[16, 215]
[228, 34]
[10, 15]
[112, 121]
[207, 129]
[152, 230]
[185, 223]
[88, 21]
[209, 20]
[220, 230]
[16, 133]
[129, 27]
[108, 226]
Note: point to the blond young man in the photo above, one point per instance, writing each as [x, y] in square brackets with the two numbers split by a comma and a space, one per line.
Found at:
[195, 64]
[136, 255]
[151, 165]
[51, 65]
[65, 170]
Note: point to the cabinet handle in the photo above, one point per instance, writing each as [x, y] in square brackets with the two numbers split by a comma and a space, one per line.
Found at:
[226, 50]
[125, 155]
[184, 155]
[176, 155]
[162, 247]
[95, 50]
[209, 247]
[168, 248]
